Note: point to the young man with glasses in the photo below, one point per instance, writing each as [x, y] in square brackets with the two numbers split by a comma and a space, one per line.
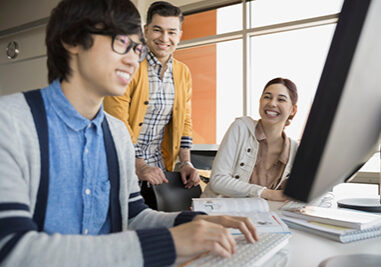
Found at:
[68, 189]
[156, 107]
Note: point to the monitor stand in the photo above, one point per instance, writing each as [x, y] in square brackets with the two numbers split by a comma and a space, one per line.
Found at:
[364, 204]
[352, 260]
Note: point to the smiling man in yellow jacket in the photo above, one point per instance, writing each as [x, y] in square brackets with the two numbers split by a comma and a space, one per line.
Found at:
[156, 107]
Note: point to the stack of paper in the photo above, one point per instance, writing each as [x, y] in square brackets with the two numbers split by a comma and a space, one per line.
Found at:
[342, 225]
[339, 217]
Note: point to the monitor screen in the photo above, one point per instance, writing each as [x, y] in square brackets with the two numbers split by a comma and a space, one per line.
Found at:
[343, 129]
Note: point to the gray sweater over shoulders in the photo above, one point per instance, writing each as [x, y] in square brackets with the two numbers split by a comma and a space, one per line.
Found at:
[144, 239]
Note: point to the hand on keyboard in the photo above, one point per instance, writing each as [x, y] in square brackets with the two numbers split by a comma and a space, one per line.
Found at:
[209, 233]
[247, 254]
[243, 224]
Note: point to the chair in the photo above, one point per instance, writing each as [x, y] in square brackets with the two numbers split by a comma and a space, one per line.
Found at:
[171, 196]
[203, 159]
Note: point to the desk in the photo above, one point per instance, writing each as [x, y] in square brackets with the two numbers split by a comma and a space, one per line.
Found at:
[308, 250]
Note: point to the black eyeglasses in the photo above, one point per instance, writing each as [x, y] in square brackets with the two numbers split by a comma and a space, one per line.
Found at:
[122, 44]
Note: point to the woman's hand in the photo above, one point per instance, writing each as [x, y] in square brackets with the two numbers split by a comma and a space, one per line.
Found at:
[275, 195]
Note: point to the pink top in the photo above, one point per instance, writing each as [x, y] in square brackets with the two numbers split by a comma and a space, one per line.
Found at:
[269, 177]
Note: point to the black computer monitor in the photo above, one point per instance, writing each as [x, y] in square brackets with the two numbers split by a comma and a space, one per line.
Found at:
[343, 129]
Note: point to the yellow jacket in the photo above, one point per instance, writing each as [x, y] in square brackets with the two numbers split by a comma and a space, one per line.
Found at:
[132, 107]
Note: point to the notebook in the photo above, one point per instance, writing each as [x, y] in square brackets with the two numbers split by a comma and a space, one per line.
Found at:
[339, 217]
[341, 234]
[257, 209]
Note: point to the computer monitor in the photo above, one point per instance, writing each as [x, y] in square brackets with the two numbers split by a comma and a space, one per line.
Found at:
[343, 129]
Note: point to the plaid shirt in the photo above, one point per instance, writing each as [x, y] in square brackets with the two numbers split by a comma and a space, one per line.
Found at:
[159, 112]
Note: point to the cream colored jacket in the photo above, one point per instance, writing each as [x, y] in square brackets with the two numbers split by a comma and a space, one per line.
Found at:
[235, 160]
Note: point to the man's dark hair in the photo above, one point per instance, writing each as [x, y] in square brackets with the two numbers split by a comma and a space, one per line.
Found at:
[164, 9]
[71, 22]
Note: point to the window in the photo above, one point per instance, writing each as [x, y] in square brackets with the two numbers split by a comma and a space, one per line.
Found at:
[298, 55]
[270, 12]
[231, 59]
[234, 50]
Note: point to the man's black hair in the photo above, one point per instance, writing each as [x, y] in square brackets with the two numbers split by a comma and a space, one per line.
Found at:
[164, 9]
[71, 22]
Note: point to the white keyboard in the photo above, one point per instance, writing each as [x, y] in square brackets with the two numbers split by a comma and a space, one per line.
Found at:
[325, 201]
[247, 254]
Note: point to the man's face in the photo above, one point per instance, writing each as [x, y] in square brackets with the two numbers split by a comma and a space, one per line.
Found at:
[101, 71]
[162, 35]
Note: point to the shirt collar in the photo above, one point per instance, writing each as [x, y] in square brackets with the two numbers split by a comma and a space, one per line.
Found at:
[259, 132]
[66, 112]
[284, 154]
[154, 62]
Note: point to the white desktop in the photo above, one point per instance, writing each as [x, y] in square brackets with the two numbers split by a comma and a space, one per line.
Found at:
[308, 250]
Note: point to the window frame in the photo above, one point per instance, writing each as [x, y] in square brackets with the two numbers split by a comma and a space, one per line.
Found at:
[245, 34]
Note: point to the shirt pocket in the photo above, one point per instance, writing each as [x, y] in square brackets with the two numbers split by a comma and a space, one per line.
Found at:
[101, 202]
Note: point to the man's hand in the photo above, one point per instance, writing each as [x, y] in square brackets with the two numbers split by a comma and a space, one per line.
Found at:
[189, 175]
[244, 224]
[209, 233]
[153, 175]
[275, 195]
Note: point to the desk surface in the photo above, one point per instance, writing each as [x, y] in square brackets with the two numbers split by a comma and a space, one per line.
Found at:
[308, 250]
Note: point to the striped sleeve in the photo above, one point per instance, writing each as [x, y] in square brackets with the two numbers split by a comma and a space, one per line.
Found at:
[186, 142]
[156, 243]
[158, 246]
[187, 216]
[135, 205]
[14, 223]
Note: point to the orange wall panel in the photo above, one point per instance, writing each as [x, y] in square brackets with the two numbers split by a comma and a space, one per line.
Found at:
[199, 25]
[202, 64]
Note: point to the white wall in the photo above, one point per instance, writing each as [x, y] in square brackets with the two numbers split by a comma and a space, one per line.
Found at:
[24, 21]
[28, 70]
[17, 12]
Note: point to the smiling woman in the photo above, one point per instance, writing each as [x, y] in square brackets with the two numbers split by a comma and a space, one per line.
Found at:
[255, 157]
[278, 100]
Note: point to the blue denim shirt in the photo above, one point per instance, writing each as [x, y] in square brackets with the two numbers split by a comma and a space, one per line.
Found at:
[79, 188]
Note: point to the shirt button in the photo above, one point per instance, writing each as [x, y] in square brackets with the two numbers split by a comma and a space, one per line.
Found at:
[86, 231]
[86, 151]
[146, 102]
[89, 125]
[249, 149]
[237, 176]
[87, 191]
[241, 164]
[140, 124]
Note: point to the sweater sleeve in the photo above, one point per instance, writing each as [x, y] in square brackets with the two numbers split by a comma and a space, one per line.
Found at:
[222, 180]
[149, 245]
[20, 243]
[187, 132]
